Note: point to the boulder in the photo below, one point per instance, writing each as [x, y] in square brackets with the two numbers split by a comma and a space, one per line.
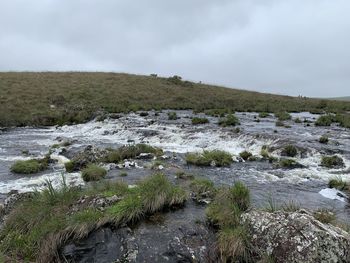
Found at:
[89, 155]
[296, 237]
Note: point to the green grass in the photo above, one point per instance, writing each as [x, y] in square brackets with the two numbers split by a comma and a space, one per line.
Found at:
[172, 115]
[229, 120]
[324, 216]
[283, 116]
[323, 139]
[326, 120]
[332, 161]
[93, 173]
[245, 155]
[198, 120]
[289, 150]
[264, 115]
[69, 166]
[25, 97]
[130, 152]
[287, 163]
[37, 228]
[233, 241]
[339, 184]
[202, 188]
[207, 158]
[29, 166]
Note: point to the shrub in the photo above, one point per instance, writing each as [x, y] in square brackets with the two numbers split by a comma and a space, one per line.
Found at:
[323, 139]
[245, 155]
[93, 173]
[29, 166]
[290, 150]
[332, 161]
[197, 120]
[263, 115]
[172, 115]
[207, 158]
[230, 120]
[283, 116]
[69, 166]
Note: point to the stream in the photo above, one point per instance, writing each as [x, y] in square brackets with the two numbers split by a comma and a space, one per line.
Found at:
[307, 186]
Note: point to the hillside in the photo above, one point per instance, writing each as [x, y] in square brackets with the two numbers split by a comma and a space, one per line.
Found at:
[49, 98]
[342, 98]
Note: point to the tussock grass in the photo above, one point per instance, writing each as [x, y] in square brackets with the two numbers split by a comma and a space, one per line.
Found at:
[202, 187]
[69, 166]
[290, 150]
[37, 228]
[229, 120]
[198, 120]
[93, 173]
[172, 115]
[77, 96]
[207, 158]
[234, 244]
[332, 161]
[228, 204]
[224, 212]
[339, 184]
[29, 166]
[130, 152]
[323, 139]
[283, 116]
[245, 155]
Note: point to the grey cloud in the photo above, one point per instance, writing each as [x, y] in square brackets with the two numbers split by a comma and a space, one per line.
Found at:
[288, 47]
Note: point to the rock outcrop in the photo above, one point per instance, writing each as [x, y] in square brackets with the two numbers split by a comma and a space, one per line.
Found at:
[296, 237]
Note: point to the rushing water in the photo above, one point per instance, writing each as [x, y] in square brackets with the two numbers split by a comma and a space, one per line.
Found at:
[307, 186]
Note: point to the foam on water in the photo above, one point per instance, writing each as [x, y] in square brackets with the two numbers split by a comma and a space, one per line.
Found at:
[32, 183]
[170, 136]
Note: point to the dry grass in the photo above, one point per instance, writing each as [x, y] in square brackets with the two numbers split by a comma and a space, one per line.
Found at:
[26, 98]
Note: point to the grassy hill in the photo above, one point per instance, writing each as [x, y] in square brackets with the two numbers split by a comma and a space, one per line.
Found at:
[342, 98]
[49, 98]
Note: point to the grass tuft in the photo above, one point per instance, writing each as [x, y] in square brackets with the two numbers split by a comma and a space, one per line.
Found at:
[197, 120]
[207, 158]
[229, 120]
[332, 161]
[93, 173]
[29, 166]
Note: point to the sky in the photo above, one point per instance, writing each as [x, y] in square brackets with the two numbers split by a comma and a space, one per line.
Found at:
[293, 47]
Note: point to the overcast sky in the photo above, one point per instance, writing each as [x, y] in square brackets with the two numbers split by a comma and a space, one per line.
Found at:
[280, 46]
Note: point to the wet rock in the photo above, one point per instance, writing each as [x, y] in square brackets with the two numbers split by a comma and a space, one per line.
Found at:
[89, 155]
[103, 245]
[97, 202]
[145, 156]
[296, 237]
